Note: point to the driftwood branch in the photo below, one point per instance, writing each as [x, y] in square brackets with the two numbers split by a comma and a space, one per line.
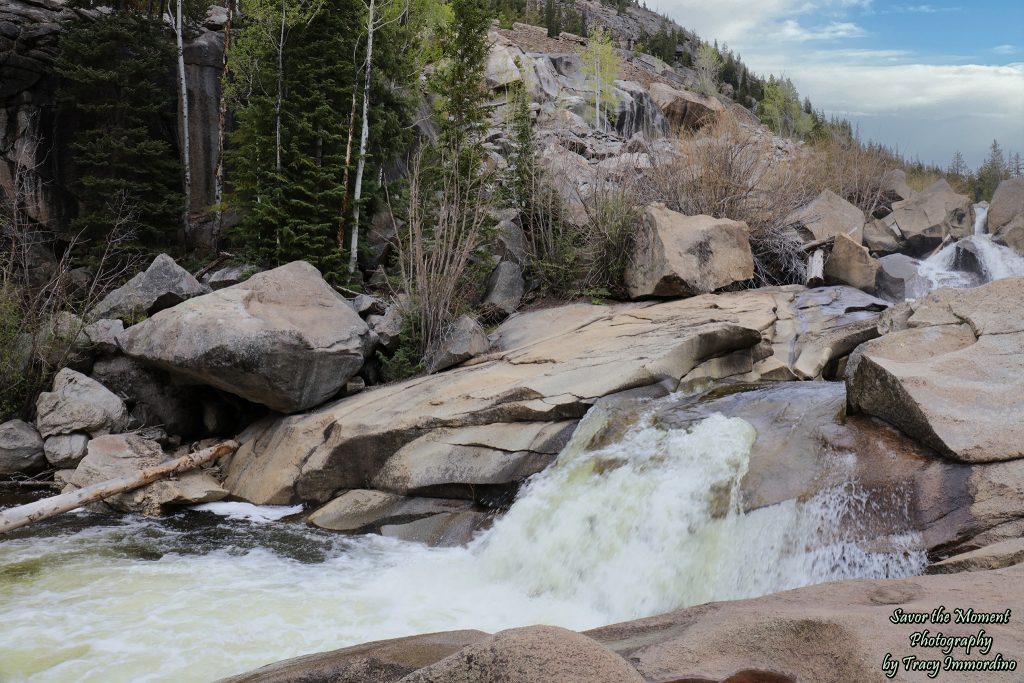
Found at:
[221, 258]
[23, 515]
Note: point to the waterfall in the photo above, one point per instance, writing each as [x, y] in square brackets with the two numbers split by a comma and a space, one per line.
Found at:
[647, 524]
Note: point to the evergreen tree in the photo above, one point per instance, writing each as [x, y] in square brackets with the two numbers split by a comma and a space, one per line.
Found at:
[116, 105]
[460, 81]
[992, 172]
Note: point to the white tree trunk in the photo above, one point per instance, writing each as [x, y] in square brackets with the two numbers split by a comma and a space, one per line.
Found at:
[186, 151]
[222, 115]
[280, 87]
[353, 257]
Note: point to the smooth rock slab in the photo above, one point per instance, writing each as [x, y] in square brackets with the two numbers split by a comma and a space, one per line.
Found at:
[79, 404]
[283, 338]
[936, 383]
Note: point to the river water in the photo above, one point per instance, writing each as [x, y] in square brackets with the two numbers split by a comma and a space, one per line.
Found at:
[644, 525]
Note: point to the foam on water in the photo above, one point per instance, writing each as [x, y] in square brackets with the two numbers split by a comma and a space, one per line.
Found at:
[248, 511]
[642, 526]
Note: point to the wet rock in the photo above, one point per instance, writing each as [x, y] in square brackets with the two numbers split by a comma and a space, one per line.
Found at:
[995, 556]
[827, 216]
[115, 456]
[1007, 204]
[455, 462]
[465, 340]
[851, 264]
[950, 379]
[163, 285]
[283, 339]
[538, 654]
[79, 404]
[679, 255]
[444, 530]
[362, 510]
[21, 449]
[66, 450]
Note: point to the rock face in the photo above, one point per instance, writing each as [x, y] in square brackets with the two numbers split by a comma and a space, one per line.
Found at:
[827, 216]
[504, 417]
[851, 264]
[115, 456]
[21, 449]
[1007, 204]
[465, 340]
[686, 109]
[538, 654]
[152, 398]
[79, 404]
[282, 338]
[929, 217]
[952, 379]
[679, 255]
[899, 278]
[162, 285]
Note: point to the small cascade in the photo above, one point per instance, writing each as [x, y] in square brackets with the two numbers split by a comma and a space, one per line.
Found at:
[970, 262]
[980, 219]
[641, 526]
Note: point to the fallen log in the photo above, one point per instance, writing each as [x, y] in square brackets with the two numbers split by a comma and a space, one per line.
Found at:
[23, 515]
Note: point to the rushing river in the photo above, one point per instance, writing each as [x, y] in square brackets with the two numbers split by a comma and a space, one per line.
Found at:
[650, 523]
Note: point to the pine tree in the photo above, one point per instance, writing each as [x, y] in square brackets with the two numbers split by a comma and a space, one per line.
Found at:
[116, 106]
[992, 172]
[460, 83]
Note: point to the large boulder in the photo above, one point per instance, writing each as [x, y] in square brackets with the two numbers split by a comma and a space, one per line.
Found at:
[953, 378]
[21, 449]
[501, 70]
[925, 220]
[686, 109]
[79, 404]
[162, 285]
[900, 278]
[1012, 234]
[851, 264]
[1007, 204]
[535, 654]
[880, 238]
[827, 216]
[894, 187]
[679, 255]
[113, 456]
[283, 338]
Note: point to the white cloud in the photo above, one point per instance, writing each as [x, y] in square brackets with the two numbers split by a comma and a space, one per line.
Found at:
[792, 30]
[1006, 49]
[921, 9]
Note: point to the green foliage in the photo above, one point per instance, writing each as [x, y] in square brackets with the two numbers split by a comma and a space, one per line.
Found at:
[780, 109]
[602, 66]
[407, 360]
[293, 210]
[116, 109]
[459, 82]
[708, 66]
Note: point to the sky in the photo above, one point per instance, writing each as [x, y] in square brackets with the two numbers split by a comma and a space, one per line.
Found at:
[928, 78]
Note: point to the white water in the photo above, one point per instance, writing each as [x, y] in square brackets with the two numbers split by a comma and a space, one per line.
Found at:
[639, 527]
[997, 262]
